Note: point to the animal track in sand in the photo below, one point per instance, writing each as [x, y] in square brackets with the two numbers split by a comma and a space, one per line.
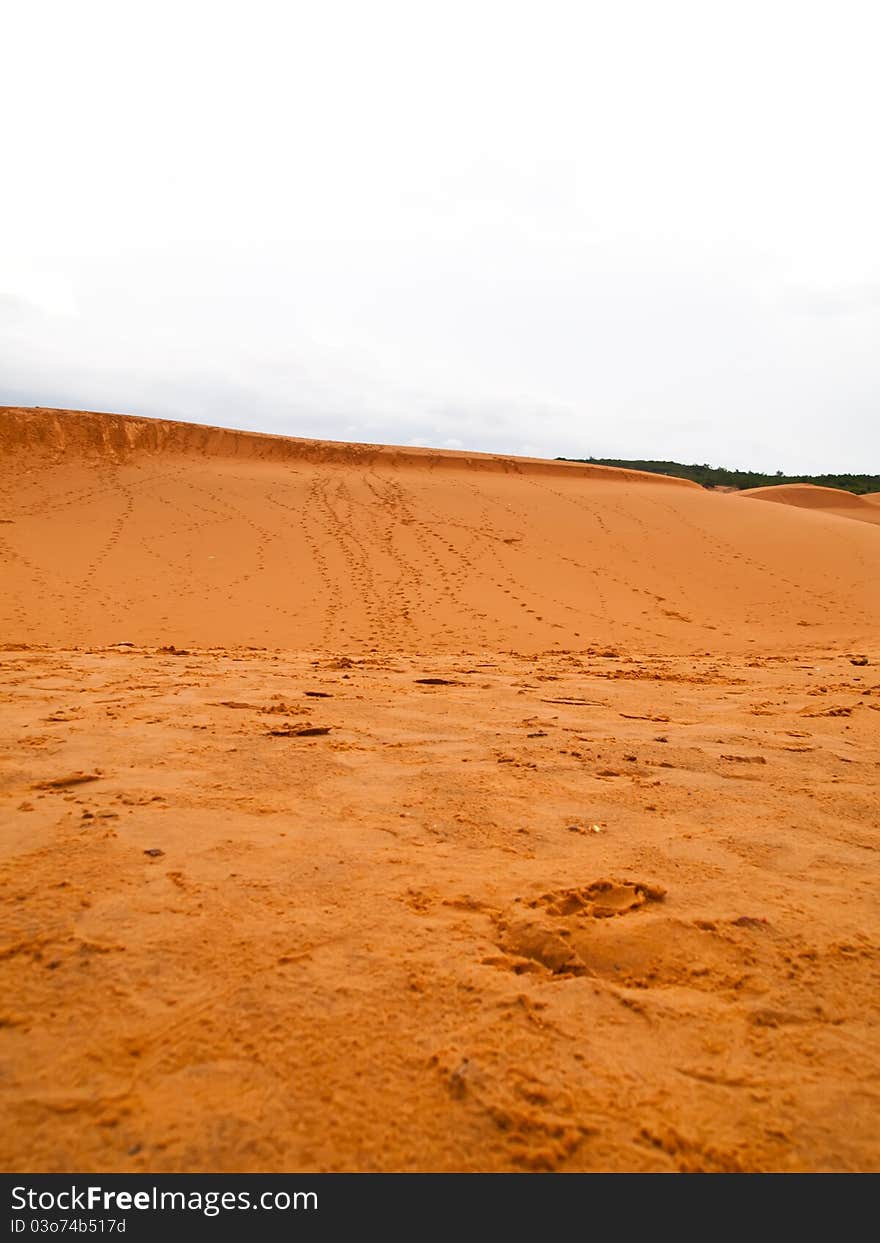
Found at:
[602, 899]
[530, 942]
[581, 939]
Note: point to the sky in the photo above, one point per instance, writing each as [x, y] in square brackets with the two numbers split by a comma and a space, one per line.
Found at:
[615, 229]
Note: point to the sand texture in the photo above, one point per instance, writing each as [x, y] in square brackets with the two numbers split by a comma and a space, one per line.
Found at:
[379, 809]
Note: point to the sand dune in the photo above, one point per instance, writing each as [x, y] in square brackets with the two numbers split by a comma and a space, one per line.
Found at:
[115, 438]
[118, 529]
[826, 500]
[371, 808]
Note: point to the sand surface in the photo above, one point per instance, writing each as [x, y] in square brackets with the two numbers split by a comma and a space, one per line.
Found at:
[381, 809]
[826, 500]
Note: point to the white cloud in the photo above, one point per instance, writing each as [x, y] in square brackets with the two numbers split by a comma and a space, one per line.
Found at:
[49, 292]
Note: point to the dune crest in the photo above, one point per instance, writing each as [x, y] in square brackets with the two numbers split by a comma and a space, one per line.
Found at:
[119, 437]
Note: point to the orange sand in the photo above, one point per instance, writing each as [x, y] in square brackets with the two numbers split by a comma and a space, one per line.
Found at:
[576, 869]
[826, 500]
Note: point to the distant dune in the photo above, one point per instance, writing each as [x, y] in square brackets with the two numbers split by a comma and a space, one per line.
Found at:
[126, 529]
[827, 500]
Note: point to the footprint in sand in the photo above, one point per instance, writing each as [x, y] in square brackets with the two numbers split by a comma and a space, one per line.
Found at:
[600, 900]
[531, 942]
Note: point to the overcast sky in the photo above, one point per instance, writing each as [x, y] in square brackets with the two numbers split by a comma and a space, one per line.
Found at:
[629, 229]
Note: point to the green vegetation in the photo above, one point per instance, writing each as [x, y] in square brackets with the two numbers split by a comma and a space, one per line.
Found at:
[720, 476]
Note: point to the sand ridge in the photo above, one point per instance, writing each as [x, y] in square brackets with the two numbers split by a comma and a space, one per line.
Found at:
[117, 437]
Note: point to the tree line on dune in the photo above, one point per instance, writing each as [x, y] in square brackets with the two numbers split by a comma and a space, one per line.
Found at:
[721, 477]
